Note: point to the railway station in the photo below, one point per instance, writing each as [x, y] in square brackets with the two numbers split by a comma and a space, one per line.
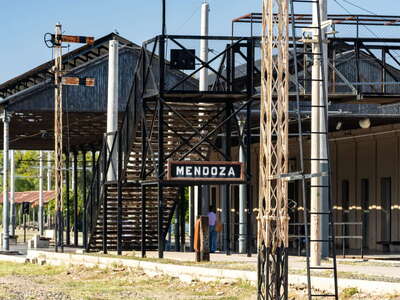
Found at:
[287, 129]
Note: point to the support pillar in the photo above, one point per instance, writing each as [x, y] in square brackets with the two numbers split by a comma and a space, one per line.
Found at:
[84, 224]
[249, 200]
[119, 191]
[13, 210]
[49, 171]
[227, 151]
[242, 195]
[203, 86]
[6, 204]
[177, 226]
[68, 215]
[319, 194]
[160, 177]
[192, 217]
[40, 212]
[75, 187]
[182, 222]
[143, 219]
[112, 107]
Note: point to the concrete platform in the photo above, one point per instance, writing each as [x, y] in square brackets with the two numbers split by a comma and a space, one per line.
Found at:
[375, 276]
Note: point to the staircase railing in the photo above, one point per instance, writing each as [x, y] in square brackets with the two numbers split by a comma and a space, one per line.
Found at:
[96, 188]
[121, 146]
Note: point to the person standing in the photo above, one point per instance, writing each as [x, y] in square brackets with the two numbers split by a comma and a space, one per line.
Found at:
[212, 219]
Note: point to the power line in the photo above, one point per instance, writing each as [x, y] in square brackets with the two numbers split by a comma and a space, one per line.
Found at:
[196, 10]
[365, 26]
[359, 7]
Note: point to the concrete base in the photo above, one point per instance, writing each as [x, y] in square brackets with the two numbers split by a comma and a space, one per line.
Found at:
[38, 242]
[12, 240]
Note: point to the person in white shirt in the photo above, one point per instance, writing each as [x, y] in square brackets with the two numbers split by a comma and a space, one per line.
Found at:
[212, 220]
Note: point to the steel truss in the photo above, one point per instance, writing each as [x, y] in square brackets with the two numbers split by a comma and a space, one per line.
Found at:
[273, 219]
[180, 123]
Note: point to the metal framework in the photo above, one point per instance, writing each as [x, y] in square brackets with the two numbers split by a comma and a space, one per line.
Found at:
[58, 147]
[162, 123]
[273, 217]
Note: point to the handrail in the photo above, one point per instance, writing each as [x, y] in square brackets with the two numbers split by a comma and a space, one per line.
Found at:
[126, 133]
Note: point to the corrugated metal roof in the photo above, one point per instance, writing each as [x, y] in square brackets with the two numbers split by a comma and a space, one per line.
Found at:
[31, 197]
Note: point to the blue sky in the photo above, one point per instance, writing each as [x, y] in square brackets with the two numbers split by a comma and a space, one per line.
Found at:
[23, 22]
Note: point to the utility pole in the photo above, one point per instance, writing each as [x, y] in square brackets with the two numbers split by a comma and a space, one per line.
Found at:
[58, 147]
[273, 219]
[319, 165]
[203, 87]
[6, 207]
[56, 43]
[324, 167]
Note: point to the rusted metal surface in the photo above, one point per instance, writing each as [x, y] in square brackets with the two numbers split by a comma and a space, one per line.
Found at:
[77, 39]
[343, 19]
[85, 81]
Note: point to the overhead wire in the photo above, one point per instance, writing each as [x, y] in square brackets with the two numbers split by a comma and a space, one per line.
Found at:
[195, 11]
[365, 26]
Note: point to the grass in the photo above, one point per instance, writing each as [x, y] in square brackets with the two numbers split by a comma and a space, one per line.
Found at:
[113, 283]
[349, 292]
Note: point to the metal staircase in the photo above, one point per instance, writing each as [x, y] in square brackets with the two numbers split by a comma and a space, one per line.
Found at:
[114, 208]
[135, 211]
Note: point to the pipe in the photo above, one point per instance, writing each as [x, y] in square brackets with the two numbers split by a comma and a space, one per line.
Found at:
[112, 106]
[203, 84]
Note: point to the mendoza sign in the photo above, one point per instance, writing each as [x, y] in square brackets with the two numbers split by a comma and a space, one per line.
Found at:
[209, 171]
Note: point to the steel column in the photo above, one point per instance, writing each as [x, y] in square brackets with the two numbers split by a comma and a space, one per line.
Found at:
[105, 250]
[192, 217]
[249, 204]
[227, 151]
[92, 192]
[84, 194]
[182, 218]
[160, 171]
[68, 216]
[6, 209]
[119, 191]
[143, 219]
[177, 226]
[75, 187]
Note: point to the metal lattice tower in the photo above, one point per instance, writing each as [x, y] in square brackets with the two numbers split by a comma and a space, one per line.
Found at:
[58, 147]
[273, 217]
